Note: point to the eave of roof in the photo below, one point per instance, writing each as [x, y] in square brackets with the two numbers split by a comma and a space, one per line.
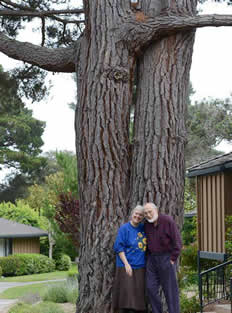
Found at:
[22, 235]
[223, 164]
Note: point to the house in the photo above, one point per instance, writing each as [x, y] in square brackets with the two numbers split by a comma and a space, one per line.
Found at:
[19, 238]
[214, 201]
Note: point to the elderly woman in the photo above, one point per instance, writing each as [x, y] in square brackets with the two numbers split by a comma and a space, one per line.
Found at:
[130, 247]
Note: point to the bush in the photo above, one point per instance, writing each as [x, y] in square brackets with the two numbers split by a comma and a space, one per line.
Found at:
[187, 277]
[0, 271]
[26, 264]
[44, 307]
[189, 230]
[189, 257]
[72, 276]
[63, 263]
[189, 305]
[62, 293]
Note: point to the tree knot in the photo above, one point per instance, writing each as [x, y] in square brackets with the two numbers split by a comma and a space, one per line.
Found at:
[118, 74]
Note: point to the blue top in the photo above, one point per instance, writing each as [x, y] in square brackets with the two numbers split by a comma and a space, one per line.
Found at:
[132, 241]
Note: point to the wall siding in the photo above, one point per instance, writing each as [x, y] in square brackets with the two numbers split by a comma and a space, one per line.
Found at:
[26, 245]
[211, 212]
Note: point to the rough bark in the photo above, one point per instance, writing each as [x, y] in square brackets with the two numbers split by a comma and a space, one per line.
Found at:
[159, 124]
[104, 76]
[54, 60]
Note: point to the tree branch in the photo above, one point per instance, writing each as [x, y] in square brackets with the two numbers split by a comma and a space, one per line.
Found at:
[138, 34]
[41, 14]
[49, 12]
[15, 9]
[54, 60]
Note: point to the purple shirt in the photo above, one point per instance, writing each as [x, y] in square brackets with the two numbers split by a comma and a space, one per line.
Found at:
[164, 237]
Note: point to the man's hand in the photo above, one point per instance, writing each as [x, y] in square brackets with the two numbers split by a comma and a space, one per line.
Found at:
[129, 270]
[172, 262]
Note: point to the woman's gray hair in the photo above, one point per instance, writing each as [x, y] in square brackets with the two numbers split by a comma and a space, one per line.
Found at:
[139, 208]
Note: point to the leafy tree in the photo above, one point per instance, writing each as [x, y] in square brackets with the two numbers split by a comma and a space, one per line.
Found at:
[67, 163]
[115, 173]
[56, 199]
[208, 123]
[67, 216]
[13, 187]
[20, 133]
[64, 180]
[22, 213]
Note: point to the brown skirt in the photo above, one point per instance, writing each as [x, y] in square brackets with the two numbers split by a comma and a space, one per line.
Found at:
[129, 292]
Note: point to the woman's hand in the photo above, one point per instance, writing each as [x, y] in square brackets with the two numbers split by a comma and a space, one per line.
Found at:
[129, 270]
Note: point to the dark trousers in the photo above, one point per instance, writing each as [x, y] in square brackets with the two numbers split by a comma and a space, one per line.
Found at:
[160, 272]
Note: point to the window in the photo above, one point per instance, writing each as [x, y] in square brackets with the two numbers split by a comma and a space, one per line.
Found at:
[5, 247]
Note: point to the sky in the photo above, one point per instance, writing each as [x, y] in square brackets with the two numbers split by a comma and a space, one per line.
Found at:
[210, 75]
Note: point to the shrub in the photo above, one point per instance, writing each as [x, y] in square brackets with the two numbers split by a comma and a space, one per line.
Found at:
[187, 277]
[9, 265]
[189, 230]
[0, 271]
[43, 307]
[25, 264]
[228, 243]
[62, 293]
[189, 305]
[30, 298]
[63, 263]
[56, 294]
[189, 257]
[72, 276]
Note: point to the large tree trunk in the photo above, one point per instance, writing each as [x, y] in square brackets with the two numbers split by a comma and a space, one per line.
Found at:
[102, 126]
[105, 75]
[159, 123]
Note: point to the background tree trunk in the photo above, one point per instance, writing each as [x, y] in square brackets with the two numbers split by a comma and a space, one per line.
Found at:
[104, 77]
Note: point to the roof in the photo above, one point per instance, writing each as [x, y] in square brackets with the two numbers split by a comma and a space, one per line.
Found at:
[11, 229]
[218, 164]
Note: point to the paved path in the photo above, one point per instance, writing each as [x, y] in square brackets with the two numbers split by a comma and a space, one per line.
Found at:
[218, 308]
[4, 303]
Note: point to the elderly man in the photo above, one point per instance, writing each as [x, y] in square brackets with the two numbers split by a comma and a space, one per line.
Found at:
[164, 247]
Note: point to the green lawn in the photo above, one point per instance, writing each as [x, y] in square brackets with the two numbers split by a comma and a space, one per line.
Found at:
[39, 277]
[16, 292]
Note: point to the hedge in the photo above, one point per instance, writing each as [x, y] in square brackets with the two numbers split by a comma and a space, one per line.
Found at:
[26, 264]
[63, 263]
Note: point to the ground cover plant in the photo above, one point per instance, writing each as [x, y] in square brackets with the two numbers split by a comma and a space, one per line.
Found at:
[62, 293]
[44, 307]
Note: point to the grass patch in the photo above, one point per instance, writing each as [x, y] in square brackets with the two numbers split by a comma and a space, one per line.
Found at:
[17, 292]
[40, 277]
[43, 307]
